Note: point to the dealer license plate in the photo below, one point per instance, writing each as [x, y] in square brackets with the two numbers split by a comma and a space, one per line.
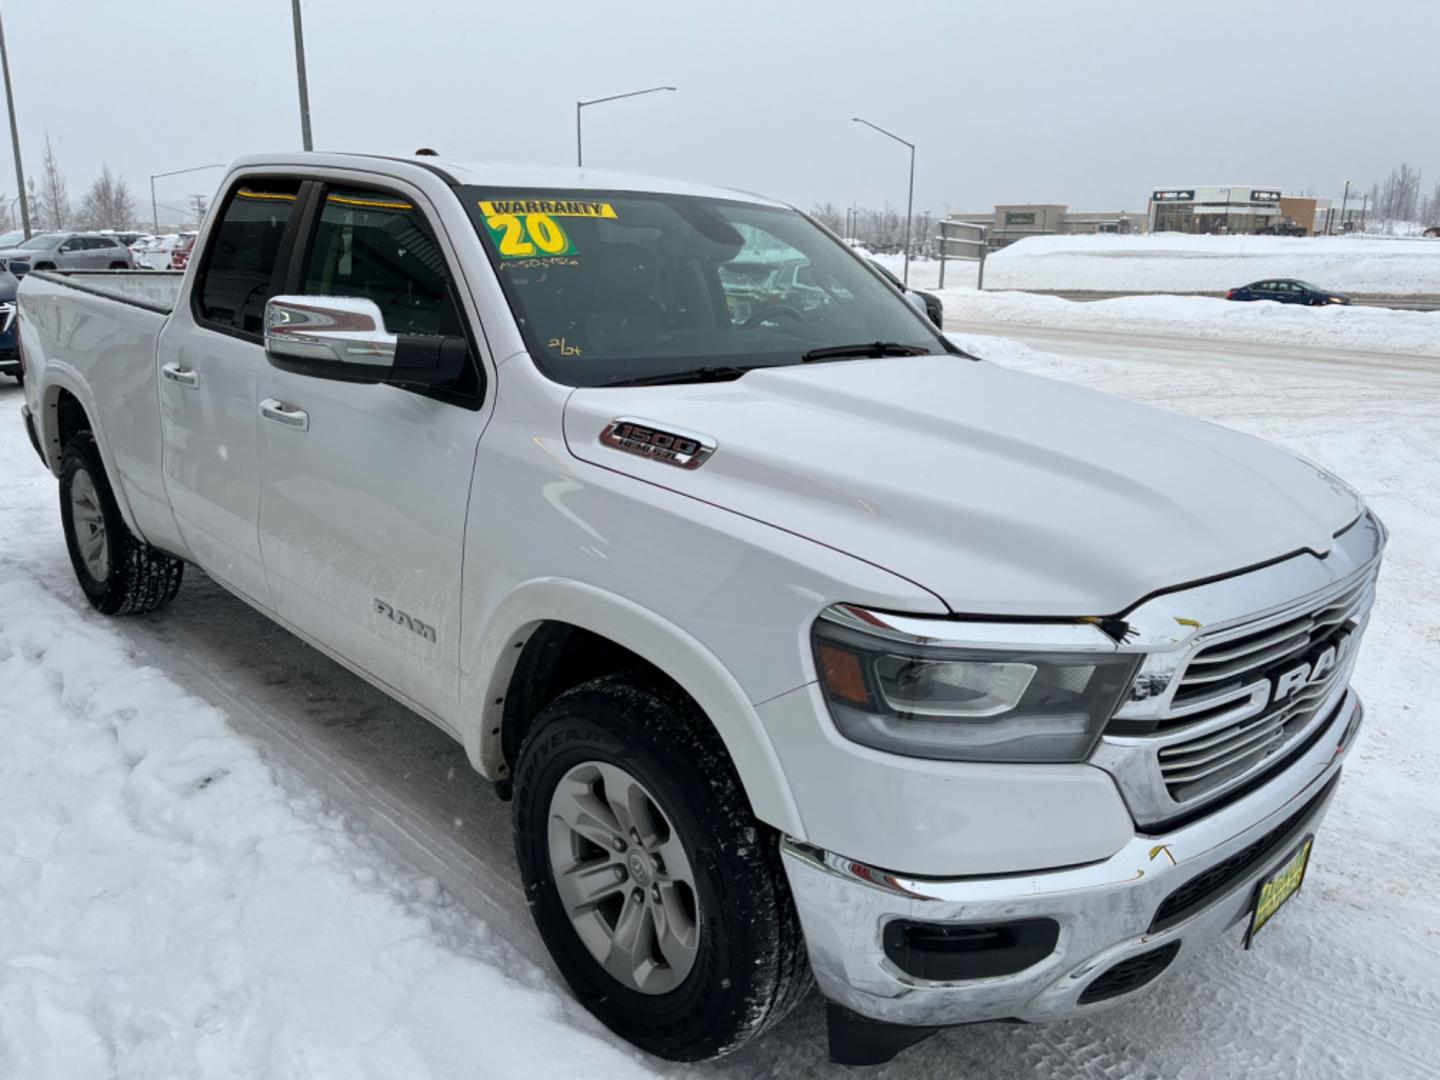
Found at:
[1275, 891]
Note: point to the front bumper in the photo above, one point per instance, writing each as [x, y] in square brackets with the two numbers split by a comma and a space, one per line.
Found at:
[1106, 911]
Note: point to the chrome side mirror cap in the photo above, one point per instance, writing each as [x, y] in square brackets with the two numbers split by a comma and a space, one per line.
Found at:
[329, 336]
[343, 338]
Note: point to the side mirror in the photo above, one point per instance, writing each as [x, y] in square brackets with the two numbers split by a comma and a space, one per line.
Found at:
[917, 302]
[343, 338]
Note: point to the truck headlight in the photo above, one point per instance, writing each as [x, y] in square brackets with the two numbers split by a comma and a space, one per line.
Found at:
[894, 686]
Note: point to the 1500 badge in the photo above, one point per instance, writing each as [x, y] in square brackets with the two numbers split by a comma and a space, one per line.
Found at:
[681, 448]
[409, 622]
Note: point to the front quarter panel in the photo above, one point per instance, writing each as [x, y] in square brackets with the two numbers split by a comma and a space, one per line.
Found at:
[721, 603]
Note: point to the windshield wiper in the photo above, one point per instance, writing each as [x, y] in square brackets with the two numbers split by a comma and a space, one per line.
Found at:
[695, 375]
[865, 348]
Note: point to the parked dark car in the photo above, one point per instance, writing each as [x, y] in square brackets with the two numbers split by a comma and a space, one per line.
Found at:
[9, 346]
[1288, 291]
[933, 307]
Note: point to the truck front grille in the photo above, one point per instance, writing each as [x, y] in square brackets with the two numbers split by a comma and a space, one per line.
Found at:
[1250, 691]
[1218, 689]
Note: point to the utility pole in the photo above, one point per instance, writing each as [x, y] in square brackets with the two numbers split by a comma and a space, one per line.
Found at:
[300, 77]
[910, 200]
[14, 136]
[154, 206]
[1343, 201]
[579, 147]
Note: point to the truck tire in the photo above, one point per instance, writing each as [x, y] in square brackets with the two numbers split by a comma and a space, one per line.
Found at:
[669, 878]
[120, 574]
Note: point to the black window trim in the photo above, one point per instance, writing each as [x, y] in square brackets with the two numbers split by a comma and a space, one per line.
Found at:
[283, 258]
[308, 225]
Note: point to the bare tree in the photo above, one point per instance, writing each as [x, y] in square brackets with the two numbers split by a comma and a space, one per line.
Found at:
[1399, 197]
[53, 200]
[107, 205]
[829, 215]
[1430, 212]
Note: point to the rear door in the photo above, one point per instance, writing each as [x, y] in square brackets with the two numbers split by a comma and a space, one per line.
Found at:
[363, 508]
[211, 360]
[71, 254]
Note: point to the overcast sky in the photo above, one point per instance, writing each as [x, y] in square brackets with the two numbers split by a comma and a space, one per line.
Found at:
[1091, 104]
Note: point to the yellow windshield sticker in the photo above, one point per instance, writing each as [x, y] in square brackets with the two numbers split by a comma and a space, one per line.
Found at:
[550, 207]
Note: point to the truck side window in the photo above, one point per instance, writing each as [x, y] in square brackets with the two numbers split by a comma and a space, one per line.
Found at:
[240, 266]
[375, 245]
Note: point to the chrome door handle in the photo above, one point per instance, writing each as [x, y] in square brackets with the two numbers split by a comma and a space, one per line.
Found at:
[182, 375]
[277, 411]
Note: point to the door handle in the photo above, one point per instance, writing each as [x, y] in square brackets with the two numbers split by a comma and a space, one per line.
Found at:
[182, 375]
[277, 411]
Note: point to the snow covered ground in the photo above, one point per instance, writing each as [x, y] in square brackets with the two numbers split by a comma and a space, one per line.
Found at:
[1172, 262]
[1372, 329]
[220, 854]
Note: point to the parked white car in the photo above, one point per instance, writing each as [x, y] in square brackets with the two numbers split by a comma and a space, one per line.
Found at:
[806, 643]
[159, 253]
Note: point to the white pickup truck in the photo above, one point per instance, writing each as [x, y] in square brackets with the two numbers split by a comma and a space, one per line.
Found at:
[805, 643]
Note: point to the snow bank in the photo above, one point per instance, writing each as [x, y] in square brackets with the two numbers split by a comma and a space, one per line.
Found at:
[1175, 262]
[1372, 329]
[167, 910]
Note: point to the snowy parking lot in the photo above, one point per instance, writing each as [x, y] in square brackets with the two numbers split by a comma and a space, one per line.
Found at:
[220, 854]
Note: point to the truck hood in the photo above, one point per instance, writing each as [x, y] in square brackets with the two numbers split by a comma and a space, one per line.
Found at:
[1002, 493]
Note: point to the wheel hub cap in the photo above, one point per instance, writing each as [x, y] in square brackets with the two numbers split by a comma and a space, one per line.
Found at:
[88, 520]
[624, 877]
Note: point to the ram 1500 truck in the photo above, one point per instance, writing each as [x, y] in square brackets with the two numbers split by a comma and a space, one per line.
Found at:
[806, 644]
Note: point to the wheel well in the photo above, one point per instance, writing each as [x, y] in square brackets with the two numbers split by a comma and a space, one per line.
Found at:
[70, 417]
[557, 657]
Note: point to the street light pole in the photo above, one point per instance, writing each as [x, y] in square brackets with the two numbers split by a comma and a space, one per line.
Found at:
[14, 136]
[579, 148]
[1343, 200]
[300, 76]
[910, 201]
[154, 206]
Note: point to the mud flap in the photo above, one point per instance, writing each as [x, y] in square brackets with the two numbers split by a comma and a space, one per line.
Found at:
[854, 1040]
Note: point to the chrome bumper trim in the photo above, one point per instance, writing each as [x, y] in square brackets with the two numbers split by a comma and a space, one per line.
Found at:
[1104, 909]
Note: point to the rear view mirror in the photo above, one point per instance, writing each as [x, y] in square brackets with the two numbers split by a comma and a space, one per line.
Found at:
[343, 338]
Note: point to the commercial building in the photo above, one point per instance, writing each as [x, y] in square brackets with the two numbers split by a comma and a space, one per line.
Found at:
[1009, 222]
[1227, 208]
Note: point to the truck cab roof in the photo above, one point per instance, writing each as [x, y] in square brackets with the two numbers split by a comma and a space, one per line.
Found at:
[506, 174]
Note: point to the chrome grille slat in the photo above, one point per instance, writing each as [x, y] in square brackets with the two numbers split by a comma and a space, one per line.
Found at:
[1179, 754]
[1294, 645]
[1219, 656]
[1184, 767]
[1263, 745]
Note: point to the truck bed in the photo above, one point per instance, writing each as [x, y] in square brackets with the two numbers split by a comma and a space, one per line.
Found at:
[154, 290]
[94, 334]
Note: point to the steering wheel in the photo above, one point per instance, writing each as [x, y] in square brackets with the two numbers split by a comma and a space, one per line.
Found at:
[772, 311]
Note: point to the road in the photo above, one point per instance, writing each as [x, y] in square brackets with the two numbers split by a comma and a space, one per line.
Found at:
[1212, 353]
[1317, 999]
[1422, 302]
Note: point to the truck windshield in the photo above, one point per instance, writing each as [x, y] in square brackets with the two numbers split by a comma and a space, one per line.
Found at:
[617, 287]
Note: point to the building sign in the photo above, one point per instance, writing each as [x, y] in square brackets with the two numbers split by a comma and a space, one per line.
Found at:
[1265, 196]
[1174, 196]
[1015, 217]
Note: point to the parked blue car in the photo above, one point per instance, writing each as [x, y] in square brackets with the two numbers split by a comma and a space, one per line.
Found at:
[9, 343]
[1287, 291]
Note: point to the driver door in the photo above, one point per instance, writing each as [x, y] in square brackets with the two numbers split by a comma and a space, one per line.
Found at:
[363, 501]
